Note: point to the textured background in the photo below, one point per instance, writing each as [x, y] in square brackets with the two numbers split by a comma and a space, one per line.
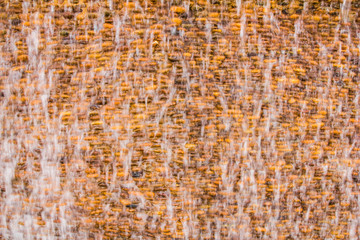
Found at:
[179, 119]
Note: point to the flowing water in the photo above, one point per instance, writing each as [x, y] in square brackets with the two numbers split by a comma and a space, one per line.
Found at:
[198, 119]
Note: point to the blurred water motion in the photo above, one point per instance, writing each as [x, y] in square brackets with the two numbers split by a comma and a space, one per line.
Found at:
[201, 119]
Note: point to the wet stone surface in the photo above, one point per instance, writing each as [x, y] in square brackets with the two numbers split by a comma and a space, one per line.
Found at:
[179, 119]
